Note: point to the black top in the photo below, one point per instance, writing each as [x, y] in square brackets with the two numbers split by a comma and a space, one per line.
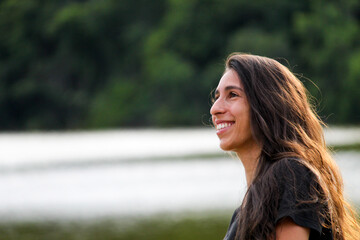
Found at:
[294, 183]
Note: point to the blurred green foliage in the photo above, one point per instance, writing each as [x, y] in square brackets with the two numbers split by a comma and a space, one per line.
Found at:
[208, 226]
[77, 64]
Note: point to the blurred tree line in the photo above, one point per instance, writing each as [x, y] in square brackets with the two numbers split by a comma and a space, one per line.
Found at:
[67, 64]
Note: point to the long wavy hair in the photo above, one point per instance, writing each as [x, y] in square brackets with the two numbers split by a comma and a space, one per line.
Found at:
[285, 124]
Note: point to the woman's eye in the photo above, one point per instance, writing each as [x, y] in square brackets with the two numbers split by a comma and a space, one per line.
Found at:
[233, 94]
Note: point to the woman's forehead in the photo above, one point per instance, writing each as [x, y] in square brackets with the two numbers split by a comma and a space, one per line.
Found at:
[230, 78]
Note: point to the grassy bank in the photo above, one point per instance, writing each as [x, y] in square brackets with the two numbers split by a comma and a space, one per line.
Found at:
[205, 226]
[348, 147]
[212, 226]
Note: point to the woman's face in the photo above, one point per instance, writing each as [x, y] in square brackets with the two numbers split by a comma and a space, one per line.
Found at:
[231, 114]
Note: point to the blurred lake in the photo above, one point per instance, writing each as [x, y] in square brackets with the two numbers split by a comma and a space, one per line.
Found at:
[84, 175]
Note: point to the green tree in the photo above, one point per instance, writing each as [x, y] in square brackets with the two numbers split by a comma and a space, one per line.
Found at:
[328, 46]
[90, 64]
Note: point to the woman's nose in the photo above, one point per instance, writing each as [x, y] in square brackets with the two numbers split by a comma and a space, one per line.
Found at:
[217, 107]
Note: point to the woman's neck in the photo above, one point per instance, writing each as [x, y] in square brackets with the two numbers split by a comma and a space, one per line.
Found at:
[250, 159]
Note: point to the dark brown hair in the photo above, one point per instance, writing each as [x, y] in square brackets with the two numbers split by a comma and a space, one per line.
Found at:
[286, 126]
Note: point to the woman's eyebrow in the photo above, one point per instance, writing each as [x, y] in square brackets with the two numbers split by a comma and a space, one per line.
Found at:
[233, 87]
[227, 88]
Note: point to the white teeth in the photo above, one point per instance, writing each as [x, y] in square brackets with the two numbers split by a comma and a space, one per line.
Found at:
[223, 125]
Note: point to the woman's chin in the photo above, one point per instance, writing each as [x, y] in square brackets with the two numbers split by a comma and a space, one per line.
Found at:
[225, 146]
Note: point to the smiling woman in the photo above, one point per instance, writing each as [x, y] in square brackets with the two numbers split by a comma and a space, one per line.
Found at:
[295, 189]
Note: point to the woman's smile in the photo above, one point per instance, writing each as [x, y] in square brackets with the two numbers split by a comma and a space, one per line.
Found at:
[223, 126]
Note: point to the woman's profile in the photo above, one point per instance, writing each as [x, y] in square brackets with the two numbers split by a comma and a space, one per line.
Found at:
[295, 190]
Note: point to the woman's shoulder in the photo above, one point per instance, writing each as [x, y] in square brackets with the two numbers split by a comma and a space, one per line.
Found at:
[301, 196]
[289, 162]
[295, 175]
[294, 167]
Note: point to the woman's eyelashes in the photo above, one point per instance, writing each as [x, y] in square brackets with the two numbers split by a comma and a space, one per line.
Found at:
[233, 94]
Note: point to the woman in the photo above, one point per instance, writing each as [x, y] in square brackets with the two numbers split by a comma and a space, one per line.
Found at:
[295, 190]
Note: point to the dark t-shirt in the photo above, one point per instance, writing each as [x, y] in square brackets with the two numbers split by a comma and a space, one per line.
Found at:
[295, 182]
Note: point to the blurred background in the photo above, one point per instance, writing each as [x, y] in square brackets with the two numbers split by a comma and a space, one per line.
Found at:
[104, 109]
